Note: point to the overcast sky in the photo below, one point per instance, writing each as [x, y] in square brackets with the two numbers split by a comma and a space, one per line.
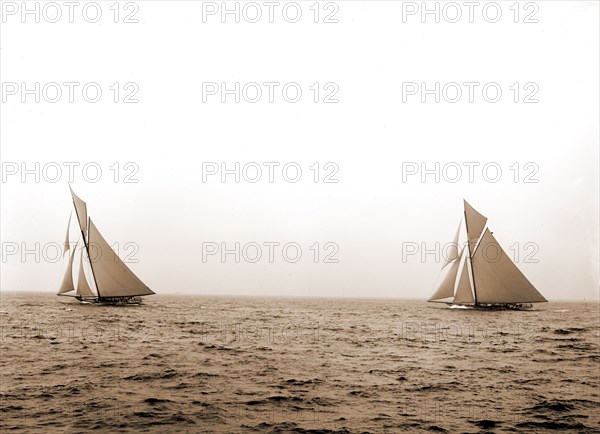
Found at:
[542, 207]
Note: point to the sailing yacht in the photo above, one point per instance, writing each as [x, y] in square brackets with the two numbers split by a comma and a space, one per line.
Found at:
[102, 276]
[480, 274]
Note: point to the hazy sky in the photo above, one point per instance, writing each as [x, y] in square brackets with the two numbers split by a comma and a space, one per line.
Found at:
[375, 137]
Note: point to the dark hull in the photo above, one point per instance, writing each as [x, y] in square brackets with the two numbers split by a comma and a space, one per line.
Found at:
[504, 306]
[109, 300]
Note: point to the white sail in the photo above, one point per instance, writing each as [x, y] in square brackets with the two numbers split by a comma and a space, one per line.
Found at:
[81, 210]
[66, 245]
[67, 282]
[464, 295]
[453, 253]
[497, 278]
[83, 287]
[445, 288]
[475, 223]
[113, 277]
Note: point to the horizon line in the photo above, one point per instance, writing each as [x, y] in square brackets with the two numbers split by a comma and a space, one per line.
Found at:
[293, 296]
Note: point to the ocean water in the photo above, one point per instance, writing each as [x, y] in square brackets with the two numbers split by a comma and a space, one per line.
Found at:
[225, 364]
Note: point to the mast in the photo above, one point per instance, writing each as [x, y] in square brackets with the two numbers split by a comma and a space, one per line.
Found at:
[87, 247]
[470, 258]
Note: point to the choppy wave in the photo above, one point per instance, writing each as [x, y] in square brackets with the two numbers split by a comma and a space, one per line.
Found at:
[209, 364]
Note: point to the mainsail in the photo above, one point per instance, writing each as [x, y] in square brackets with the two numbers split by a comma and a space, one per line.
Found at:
[497, 278]
[110, 277]
[482, 273]
[113, 277]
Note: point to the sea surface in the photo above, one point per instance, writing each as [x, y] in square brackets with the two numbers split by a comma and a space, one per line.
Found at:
[225, 364]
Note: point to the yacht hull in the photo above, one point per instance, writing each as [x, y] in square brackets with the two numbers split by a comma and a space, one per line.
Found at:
[503, 306]
[111, 301]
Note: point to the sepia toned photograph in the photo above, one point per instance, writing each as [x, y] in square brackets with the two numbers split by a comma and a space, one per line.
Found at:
[310, 216]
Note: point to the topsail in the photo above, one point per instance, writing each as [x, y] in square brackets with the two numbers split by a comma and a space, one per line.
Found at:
[81, 211]
[475, 223]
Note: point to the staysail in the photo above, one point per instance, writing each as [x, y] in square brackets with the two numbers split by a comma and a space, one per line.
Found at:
[113, 277]
[67, 282]
[66, 245]
[83, 287]
[497, 278]
[445, 288]
[464, 295]
[453, 253]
